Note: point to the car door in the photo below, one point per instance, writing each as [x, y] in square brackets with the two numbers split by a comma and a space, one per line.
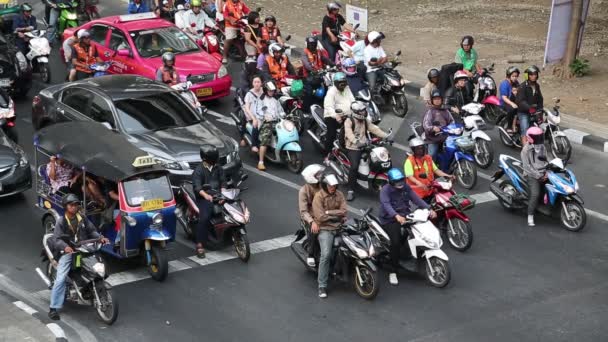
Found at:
[122, 64]
[100, 110]
[73, 104]
[100, 37]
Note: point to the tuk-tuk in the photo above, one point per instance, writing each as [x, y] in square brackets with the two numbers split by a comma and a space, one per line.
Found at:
[141, 221]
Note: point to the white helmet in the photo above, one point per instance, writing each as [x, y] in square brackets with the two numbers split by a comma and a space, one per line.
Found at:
[415, 142]
[330, 179]
[460, 74]
[312, 173]
[373, 36]
[275, 48]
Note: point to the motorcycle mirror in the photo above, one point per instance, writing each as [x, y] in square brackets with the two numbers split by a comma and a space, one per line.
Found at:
[258, 9]
[287, 38]
[356, 27]
[399, 53]
[244, 177]
[557, 100]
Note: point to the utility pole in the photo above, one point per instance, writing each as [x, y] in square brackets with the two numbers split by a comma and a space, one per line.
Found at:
[573, 36]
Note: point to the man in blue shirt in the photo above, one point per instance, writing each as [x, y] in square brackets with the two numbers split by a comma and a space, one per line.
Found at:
[24, 23]
[395, 200]
[137, 6]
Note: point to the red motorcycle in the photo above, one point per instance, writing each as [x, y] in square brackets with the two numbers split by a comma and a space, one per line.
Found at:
[207, 38]
[451, 219]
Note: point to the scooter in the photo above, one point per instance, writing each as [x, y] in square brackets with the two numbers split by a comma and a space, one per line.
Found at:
[474, 125]
[360, 89]
[229, 221]
[390, 88]
[184, 90]
[7, 116]
[561, 191]
[40, 49]
[353, 255]
[100, 69]
[86, 282]
[68, 16]
[347, 41]
[317, 129]
[291, 102]
[487, 95]
[207, 39]
[424, 245]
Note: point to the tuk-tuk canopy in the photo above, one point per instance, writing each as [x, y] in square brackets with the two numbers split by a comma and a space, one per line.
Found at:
[98, 149]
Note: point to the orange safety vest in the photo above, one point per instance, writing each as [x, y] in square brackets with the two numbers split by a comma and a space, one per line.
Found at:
[419, 169]
[268, 35]
[278, 70]
[234, 11]
[315, 60]
[169, 75]
[85, 56]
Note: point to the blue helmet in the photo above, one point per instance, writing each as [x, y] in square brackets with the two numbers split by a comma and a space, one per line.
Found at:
[319, 92]
[339, 77]
[349, 66]
[395, 177]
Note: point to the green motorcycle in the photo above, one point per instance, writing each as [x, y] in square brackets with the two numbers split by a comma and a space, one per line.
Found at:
[68, 16]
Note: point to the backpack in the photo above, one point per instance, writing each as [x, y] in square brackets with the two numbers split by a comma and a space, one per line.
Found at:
[342, 132]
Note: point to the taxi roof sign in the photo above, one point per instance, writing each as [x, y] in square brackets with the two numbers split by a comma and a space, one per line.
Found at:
[137, 16]
[144, 161]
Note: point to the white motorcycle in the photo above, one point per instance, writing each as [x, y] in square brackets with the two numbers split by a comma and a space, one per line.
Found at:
[474, 125]
[40, 49]
[184, 90]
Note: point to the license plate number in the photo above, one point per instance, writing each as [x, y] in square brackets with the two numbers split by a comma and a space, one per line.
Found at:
[152, 204]
[204, 92]
[5, 82]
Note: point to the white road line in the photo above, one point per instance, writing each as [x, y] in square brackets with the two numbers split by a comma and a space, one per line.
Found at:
[597, 215]
[484, 197]
[56, 330]
[21, 305]
[222, 118]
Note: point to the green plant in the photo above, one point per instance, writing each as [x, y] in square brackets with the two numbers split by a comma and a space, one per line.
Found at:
[580, 67]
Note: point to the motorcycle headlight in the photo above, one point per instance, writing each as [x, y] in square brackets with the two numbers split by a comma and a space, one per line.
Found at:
[72, 16]
[169, 164]
[100, 269]
[157, 219]
[222, 72]
[372, 250]
[23, 162]
[361, 253]
[288, 125]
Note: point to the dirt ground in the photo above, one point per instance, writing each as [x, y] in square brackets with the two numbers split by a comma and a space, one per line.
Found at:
[428, 32]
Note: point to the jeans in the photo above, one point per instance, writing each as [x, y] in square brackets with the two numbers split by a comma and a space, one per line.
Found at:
[524, 123]
[331, 49]
[332, 131]
[53, 17]
[58, 292]
[534, 190]
[433, 149]
[355, 158]
[326, 244]
[205, 211]
[372, 79]
[393, 230]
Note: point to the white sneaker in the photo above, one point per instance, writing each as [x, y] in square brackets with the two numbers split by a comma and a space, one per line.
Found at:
[392, 279]
[311, 262]
[531, 221]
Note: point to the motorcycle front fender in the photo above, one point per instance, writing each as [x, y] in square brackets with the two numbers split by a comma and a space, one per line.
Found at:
[560, 134]
[242, 231]
[429, 253]
[453, 213]
[492, 99]
[577, 198]
[460, 155]
[155, 235]
[480, 135]
[43, 59]
[367, 263]
[292, 146]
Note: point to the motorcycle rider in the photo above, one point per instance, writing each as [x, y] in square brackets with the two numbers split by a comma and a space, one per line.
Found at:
[53, 17]
[339, 97]
[206, 173]
[253, 42]
[78, 228]
[529, 99]
[313, 60]
[196, 19]
[375, 57]
[328, 210]
[253, 112]
[312, 175]
[425, 92]
[85, 55]
[395, 200]
[68, 52]
[180, 16]
[467, 56]
[507, 100]
[167, 73]
[356, 129]
[332, 25]
[420, 170]
[271, 111]
[435, 118]
[270, 32]
[534, 160]
[353, 77]
[458, 95]
[233, 11]
[137, 6]
[24, 23]
[277, 65]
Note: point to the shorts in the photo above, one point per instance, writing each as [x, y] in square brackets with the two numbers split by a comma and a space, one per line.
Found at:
[265, 134]
[524, 122]
[251, 51]
[231, 33]
[70, 66]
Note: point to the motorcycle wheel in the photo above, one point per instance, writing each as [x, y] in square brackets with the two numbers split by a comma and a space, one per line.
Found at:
[45, 72]
[460, 234]
[298, 120]
[369, 287]
[241, 246]
[577, 214]
[48, 224]
[296, 164]
[400, 105]
[466, 174]
[183, 220]
[484, 153]
[507, 187]
[493, 112]
[506, 140]
[107, 310]
[159, 265]
[442, 275]
[563, 150]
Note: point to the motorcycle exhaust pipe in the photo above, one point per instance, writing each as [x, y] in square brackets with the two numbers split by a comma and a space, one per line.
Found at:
[313, 136]
[44, 278]
[500, 194]
[506, 134]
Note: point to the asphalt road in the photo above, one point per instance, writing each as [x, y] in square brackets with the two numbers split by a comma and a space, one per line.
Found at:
[516, 283]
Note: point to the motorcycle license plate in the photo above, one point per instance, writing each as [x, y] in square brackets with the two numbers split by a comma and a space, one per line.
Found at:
[386, 164]
[204, 92]
[152, 204]
[5, 82]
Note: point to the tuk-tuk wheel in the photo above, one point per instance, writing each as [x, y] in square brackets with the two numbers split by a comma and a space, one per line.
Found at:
[48, 224]
[159, 264]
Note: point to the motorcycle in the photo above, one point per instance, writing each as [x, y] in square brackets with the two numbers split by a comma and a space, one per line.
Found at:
[352, 256]
[184, 90]
[40, 49]
[7, 116]
[291, 101]
[561, 191]
[317, 129]
[390, 88]
[361, 91]
[207, 39]
[487, 95]
[474, 125]
[424, 244]
[548, 121]
[375, 162]
[100, 69]
[90, 10]
[229, 221]
[86, 282]
[68, 16]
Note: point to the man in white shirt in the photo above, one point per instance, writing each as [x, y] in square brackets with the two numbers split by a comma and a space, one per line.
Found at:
[375, 57]
[338, 97]
[195, 19]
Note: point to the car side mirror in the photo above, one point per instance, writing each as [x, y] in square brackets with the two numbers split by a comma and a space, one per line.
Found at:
[124, 53]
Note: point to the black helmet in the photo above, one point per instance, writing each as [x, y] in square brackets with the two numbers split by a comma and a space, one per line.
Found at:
[26, 7]
[311, 42]
[168, 56]
[333, 6]
[511, 70]
[270, 18]
[468, 40]
[209, 154]
[69, 199]
[436, 93]
[251, 17]
[532, 69]
[432, 73]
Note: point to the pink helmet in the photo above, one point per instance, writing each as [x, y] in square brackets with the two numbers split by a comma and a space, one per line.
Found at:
[535, 135]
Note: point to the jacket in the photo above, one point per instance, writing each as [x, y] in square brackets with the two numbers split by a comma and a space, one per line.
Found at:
[305, 197]
[267, 35]
[84, 57]
[432, 116]
[334, 99]
[395, 201]
[528, 96]
[21, 22]
[84, 230]
[202, 175]
[531, 164]
[234, 11]
[457, 97]
[167, 75]
[325, 208]
[314, 61]
[355, 132]
[133, 8]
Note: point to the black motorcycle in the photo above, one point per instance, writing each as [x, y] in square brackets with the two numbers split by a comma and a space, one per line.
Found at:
[15, 70]
[7, 116]
[390, 89]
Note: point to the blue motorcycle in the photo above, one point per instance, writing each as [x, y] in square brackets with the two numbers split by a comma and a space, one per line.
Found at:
[560, 191]
[456, 156]
[100, 69]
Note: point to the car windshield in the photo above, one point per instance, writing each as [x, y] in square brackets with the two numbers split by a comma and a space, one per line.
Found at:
[150, 186]
[155, 42]
[154, 113]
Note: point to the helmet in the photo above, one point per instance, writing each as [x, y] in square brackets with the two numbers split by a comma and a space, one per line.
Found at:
[83, 33]
[26, 7]
[313, 173]
[168, 56]
[320, 92]
[333, 6]
[532, 69]
[535, 135]
[349, 66]
[432, 73]
[311, 42]
[374, 35]
[195, 3]
[359, 110]
[467, 40]
[209, 154]
[339, 77]
[416, 142]
[435, 93]
[511, 70]
[270, 18]
[275, 48]
[69, 199]
[329, 179]
[460, 74]
[270, 86]
[395, 177]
